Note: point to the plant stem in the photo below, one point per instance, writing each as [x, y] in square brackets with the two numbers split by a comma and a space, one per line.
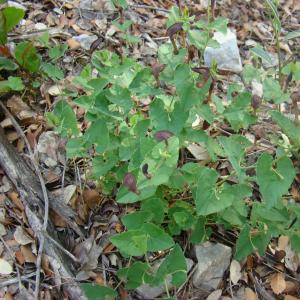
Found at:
[166, 287]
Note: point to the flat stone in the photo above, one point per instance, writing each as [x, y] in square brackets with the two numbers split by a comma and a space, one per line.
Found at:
[148, 292]
[227, 55]
[213, 260]
[85, 40]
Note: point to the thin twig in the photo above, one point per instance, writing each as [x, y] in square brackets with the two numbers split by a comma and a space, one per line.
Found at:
[149, 7]
[58, 245]
[45, 196]
[11, 281]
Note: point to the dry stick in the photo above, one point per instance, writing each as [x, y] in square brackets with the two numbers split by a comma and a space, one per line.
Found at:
[149, 7]
[11, 281]
[45, 195]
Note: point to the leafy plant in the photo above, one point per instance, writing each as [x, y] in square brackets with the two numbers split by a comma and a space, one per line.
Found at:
[139, 153]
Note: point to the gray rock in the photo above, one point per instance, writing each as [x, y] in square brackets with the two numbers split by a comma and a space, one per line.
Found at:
[213, 260]
[273, 61]
[85, 40]
[151, 292]
[227, 55]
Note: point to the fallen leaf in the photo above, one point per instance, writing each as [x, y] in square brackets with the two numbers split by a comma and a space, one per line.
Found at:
[215, 295]
[91, 198]
[250, 295]
[20, 257]
[278, 283]
[289, 297]
[14, 197]
[235, 271]
[73, 44]
[27, 254]
[21, 236]
[5, 267]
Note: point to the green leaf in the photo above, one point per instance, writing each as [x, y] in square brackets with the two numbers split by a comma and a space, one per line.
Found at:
[98, 292]
[244, 245]
[7, 64]
[15, 83]
[156, 207]
[288, 127]
[274, 177]
[292, 35]
[175, 265]
[97, 134]
[120, 3]
[220, 24]
[12, 17]
[157, 238]
[250, 73]
[136, 220]
[237, 114]
[235, 147]
[210, 199]
[67, 119]
[3, 33]
[261, 53]
[58, 51]
[134, 275]
[44, 39]
[101, 165]
[273, 92]
[199, 233]
[52, 71]
[294, 69]
[162, 120]
[199, 38]
[27, 56]
[131, 243]
[295, 241]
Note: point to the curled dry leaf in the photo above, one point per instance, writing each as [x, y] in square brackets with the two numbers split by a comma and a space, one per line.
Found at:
[5, 267]
[250, 295]
[235, 271]
[278, 283]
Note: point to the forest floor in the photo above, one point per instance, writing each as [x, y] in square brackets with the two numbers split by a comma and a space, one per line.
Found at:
[86, 26]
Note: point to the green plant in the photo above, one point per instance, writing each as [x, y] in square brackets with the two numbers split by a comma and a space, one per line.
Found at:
[25, 56]
[143, 152]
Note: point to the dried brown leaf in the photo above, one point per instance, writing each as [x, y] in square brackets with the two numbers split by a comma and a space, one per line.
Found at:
[250, 295]
[289, 297]
[278, 283]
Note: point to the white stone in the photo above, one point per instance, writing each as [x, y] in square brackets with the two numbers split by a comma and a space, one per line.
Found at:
[15, 4]
[148, 292]
[40, 26]
[213, 260]
[85, 40]
[227, 55]
[257, 88]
